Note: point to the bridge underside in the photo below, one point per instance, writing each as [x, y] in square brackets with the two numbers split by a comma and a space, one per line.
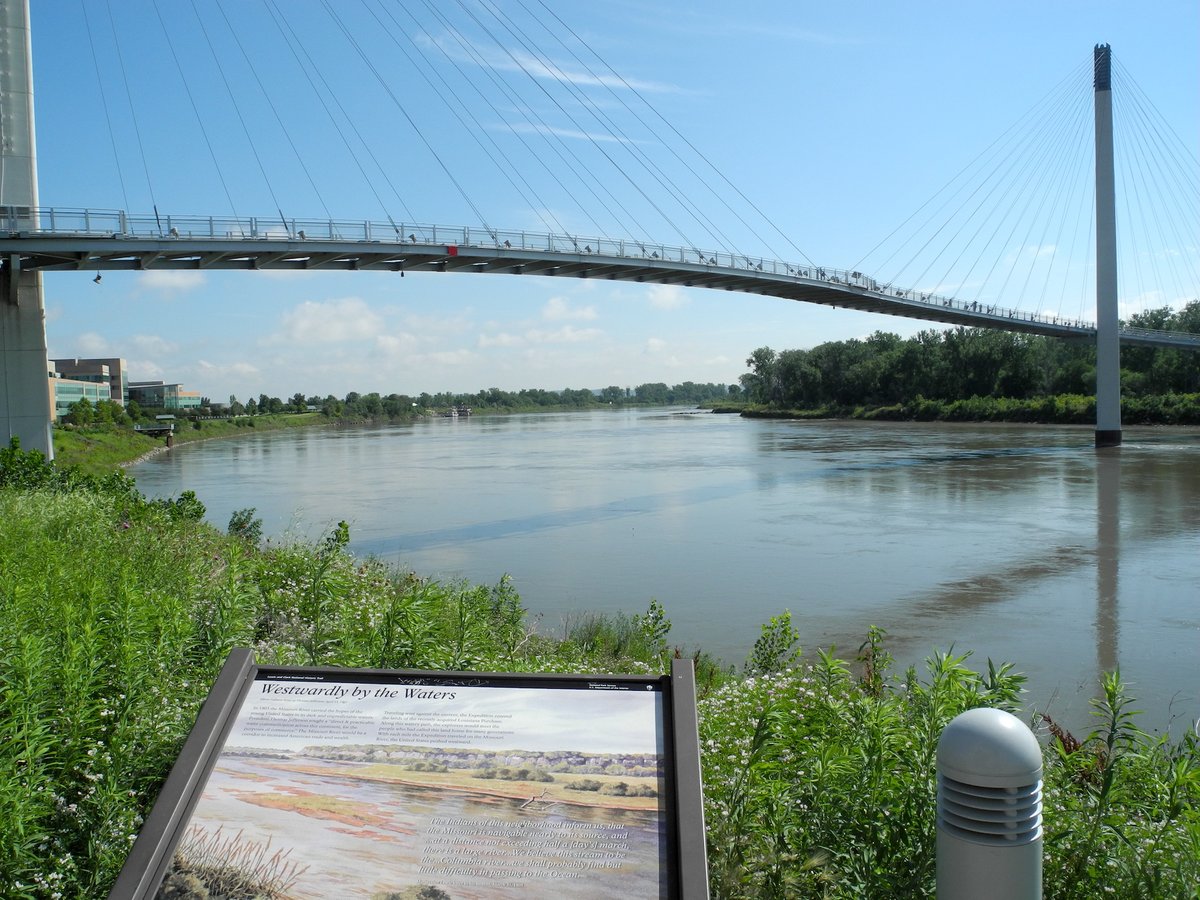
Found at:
[59, 253]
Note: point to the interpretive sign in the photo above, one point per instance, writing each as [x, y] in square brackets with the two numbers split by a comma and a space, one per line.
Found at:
[314, 783]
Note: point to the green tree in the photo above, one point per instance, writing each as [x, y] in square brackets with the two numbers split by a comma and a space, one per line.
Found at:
[333, 407]
[761, 383]
[654, 392]
[111, 412]
[81, 412]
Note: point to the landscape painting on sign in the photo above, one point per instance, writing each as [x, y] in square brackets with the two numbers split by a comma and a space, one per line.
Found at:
[433, 791]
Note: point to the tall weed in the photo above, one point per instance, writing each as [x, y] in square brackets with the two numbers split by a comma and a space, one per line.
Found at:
[115, 614]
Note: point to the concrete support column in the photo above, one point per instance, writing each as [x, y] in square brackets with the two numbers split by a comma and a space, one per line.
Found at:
[1108, 340]
[24, 386]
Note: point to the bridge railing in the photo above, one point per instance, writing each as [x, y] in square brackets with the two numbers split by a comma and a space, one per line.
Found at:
[1157, 334]
[117, 223]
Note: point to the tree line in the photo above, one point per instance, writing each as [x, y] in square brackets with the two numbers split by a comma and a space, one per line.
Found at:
[403, 406]
[963, 363]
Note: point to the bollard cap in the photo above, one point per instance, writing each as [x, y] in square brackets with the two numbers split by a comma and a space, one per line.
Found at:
[989, 748]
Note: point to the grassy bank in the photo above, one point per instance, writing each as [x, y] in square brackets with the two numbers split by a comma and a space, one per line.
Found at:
[117, 612]
[1061, 409]
[101, 449]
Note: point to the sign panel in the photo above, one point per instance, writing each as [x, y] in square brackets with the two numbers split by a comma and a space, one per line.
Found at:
[423, 786]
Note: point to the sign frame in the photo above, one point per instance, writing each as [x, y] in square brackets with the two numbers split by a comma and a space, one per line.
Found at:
[162, 830]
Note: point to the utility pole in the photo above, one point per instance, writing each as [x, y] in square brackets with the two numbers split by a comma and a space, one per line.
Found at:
[1108, 340]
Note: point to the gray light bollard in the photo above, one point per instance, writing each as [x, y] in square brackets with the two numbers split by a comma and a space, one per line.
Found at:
[989, 809]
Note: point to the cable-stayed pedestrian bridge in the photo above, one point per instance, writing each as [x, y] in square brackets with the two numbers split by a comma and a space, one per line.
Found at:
[106, 240]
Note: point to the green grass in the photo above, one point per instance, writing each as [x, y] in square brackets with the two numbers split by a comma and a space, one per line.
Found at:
[116, 614]
[100, 450]
[105, 448]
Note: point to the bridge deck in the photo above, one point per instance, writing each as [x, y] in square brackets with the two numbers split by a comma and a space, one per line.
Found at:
[74, 240]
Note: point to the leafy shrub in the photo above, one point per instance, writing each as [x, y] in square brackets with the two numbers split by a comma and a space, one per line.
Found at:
[245, 525]
[584, 784]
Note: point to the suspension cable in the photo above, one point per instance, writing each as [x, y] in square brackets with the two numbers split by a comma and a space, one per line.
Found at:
[623, 140]
[112, 136]
[691, 146]
[403, 111]
[275, 112]
[292, 39]
[553, 138]
[132, 110]
[475, 132]
[241, 119]
[199, 119]
[583, 131]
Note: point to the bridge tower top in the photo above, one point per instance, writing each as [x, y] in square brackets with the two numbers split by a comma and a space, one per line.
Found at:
[1102, 67]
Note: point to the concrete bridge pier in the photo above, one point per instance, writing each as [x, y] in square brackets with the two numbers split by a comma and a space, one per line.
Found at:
[24, 385]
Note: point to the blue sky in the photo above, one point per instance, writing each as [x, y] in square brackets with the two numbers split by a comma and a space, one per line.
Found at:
[836, 121]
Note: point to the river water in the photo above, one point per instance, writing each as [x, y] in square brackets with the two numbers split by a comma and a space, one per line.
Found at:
[1018, 543]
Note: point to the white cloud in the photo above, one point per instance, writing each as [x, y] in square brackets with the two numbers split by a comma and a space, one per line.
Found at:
[330, 322]
[557, 309]
[451, 357]
[146, 370]
[513, 60]
[240, 369]
[153, 344]
[568, 334]
[667, 296]
[90, 344]
[502, 339]
[396, 343]
[655, 345]
[556, 131]
[170, 281]
[431, 325]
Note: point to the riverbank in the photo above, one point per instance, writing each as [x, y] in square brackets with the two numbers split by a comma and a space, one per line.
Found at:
[818, 778]
[1060, 409]
[105, 448]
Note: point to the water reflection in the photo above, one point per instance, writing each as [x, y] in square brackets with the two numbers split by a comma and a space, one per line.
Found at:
[1108, 557]
[1006, 540]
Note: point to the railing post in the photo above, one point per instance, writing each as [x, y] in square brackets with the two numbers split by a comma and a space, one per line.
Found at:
[989, 808]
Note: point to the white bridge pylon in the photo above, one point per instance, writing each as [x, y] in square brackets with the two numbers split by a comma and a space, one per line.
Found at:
[107, 240]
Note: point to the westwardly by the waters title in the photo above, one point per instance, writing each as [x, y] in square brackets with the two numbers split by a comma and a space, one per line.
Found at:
[356, 692]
